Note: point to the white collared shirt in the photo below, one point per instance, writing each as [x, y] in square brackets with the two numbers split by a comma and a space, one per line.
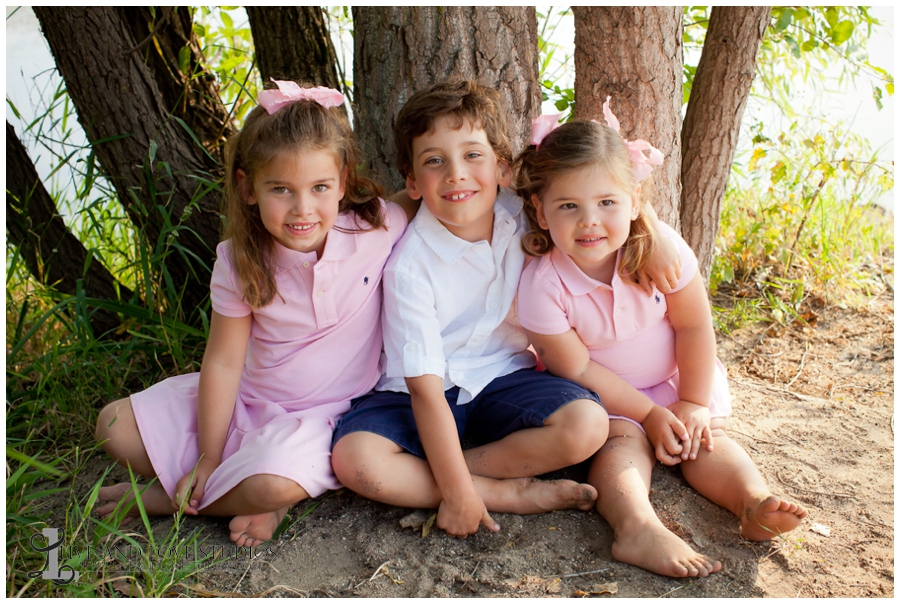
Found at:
[449, 305]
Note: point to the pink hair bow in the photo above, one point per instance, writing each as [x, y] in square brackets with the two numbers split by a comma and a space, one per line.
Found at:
[643, 164]
[290, 92]
[542, 126]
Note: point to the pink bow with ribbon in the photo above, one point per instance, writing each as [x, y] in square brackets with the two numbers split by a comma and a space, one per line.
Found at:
[289, 92]
[542, 126]
[643, 164]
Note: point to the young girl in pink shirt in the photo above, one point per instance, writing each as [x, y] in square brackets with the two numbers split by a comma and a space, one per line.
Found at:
[295, 331]
[651, 359]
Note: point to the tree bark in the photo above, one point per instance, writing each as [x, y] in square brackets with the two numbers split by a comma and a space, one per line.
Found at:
[400, 50]
[713, 120]
[165, 181]
[53, 255]
[293, 43]
[634, 55]
[163, 33]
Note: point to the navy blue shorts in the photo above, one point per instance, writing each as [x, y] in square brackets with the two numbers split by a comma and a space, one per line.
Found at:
[522, 399]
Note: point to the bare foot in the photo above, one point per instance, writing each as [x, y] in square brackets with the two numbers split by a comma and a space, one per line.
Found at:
[653, 547]
[771, 517]
[532, 496]
[156, 501]
[255, 529]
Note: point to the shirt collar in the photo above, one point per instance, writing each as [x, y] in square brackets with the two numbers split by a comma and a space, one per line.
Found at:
[339, 245]
[448, 246]
[574, 278]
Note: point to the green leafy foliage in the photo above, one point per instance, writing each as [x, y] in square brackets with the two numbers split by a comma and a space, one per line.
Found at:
[555, 68]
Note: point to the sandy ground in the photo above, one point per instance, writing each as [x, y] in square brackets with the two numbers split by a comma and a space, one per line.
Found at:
[813, 406]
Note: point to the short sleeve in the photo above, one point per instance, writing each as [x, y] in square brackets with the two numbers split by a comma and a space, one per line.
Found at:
[541, 302]
[227, 298]
[688, 258]
[412, 333]
[396, 221]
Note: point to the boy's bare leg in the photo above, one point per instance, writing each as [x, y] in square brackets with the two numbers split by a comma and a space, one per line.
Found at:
[621, 472]
[569, 436]
[729, 478]
[379, 469]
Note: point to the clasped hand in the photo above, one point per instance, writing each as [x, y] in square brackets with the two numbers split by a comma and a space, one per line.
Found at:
[696, 421]
[190, 488]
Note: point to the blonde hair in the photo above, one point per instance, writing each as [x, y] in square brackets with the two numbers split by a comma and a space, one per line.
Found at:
[300, 126]
[575, 146]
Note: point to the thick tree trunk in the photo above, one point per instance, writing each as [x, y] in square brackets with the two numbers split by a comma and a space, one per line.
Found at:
[713, 120]
[293, 43]
[52, 254]
[400, 50]
[163, 34]
[165, 181]
[634, 54]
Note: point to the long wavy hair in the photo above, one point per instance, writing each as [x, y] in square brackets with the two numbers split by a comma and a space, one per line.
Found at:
[574, 146]
[300, 126]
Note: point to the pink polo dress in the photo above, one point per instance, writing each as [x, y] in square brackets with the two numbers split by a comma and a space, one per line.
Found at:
[315, 347]
[624, 330]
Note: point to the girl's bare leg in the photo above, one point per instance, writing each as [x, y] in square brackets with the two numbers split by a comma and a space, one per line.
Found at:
[729, 478]
[621, 472]
[379, 469]
[258, 503]
[119, 436]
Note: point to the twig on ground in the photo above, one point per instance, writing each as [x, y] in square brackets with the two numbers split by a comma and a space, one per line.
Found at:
[375, 574]
[235, 588]
[789, 437]
[472, 576]
[799, 397]
[800, 369]
[676, 589]
[759, 440]
[587, 572]
[793, 486]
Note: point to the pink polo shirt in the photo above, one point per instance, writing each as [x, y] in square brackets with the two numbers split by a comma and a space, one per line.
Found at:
[624, 330]
[317, 344]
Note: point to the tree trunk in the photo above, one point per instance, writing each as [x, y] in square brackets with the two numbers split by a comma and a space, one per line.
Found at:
[400, 50]
[634, 55]
[52, 254]
[163, 33]
[293, 43]
[713, 120]
[165, 181]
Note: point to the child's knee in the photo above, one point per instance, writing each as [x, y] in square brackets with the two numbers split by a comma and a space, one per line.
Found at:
[109, 424]
[584, 427]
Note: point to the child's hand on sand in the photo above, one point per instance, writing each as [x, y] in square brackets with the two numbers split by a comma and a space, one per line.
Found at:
[462, 516]
[665, 432]
[189, 490]
[696, 420]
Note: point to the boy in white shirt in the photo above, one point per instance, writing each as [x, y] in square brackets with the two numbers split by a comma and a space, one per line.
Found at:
[457, 360]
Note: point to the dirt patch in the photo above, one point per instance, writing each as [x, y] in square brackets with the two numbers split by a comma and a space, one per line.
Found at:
[812, 405]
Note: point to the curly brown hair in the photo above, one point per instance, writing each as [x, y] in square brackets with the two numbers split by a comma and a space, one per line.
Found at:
[574, 146]
[462, 99]
[300, 126]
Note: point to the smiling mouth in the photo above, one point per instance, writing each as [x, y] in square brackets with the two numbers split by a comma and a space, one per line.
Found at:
[301, 228]
[590, 239]
[459, 196]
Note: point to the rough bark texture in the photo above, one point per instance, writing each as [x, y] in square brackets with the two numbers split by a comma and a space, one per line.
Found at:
[121, 104]
[193, 95]
[400, 50]
[53, 255]
[713, 120]
[634, 55]
[293, 43]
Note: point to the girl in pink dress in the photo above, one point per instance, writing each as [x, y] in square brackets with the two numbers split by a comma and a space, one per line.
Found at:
[652, 359]
[295, 332]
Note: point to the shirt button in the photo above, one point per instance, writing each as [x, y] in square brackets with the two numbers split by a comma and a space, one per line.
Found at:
[306, 264]
[494, 304]
[320, 294]
[618, 311]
